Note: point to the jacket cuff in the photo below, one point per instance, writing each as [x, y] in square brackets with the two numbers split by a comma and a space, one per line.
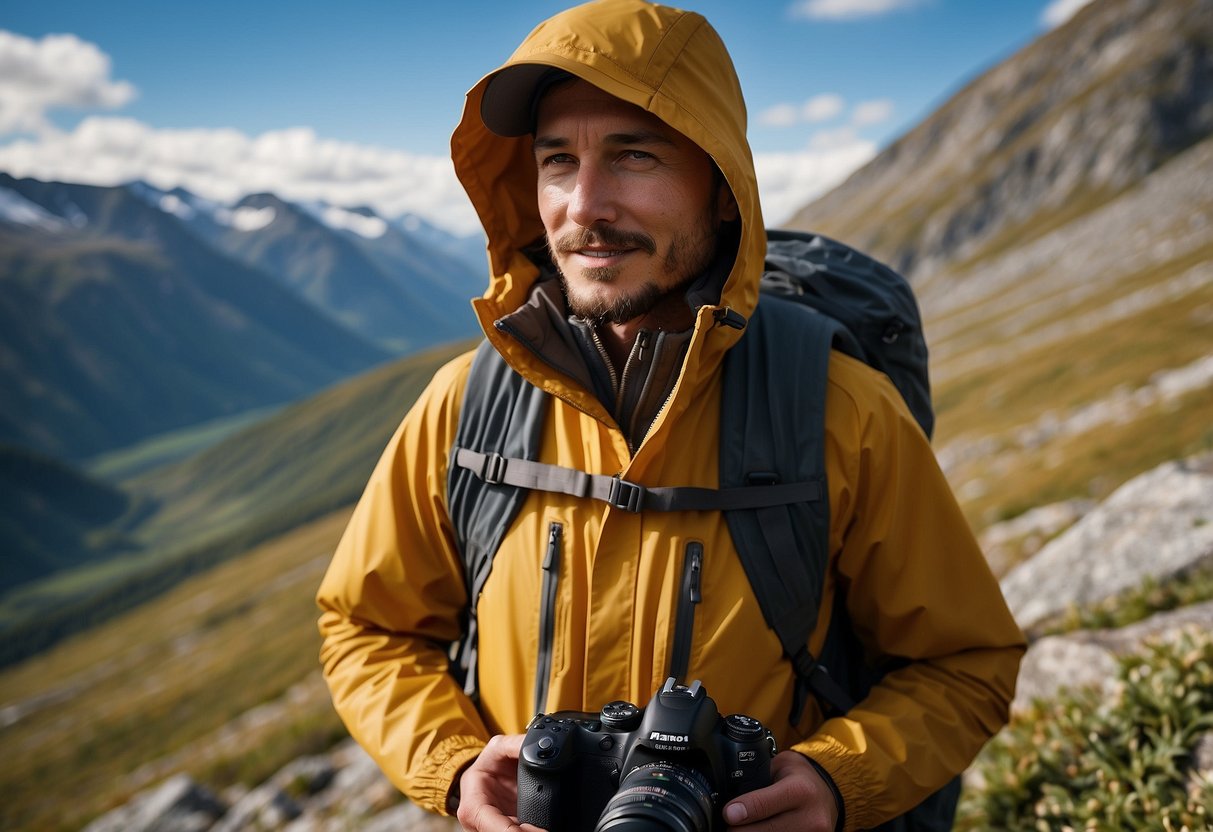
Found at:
[838, 801]
[447, 762]
[844, 772]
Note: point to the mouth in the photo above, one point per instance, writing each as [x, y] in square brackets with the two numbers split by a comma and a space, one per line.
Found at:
[597, 258]
[601, 246]
[602, 253]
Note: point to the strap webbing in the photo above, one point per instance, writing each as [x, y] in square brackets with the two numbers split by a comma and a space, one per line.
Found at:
[629, 496]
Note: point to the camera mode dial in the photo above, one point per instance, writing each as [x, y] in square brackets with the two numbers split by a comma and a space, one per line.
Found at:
[620, 716]
[743, 728]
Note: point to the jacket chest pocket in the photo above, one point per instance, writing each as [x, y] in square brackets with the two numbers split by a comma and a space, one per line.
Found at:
[690, 594]
[549, 594]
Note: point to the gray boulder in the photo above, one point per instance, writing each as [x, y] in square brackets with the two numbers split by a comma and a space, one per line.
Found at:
[1089, 657]
[1157, 526]
[176, 805]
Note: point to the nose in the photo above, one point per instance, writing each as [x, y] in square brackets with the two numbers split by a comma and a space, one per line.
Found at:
[594, 196]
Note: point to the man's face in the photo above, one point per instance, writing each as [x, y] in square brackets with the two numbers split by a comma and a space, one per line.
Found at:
[630, 205]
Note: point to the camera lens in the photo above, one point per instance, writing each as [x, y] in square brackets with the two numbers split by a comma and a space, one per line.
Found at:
[659, 797]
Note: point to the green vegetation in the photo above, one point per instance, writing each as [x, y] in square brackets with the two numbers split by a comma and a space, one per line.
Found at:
[1092, 761]
[1028, 380]
[1021, 386]
[170, 447]
[53, 517]
[1094, 464]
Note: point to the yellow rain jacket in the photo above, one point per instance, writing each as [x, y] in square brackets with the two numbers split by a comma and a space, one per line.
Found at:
[913, 579]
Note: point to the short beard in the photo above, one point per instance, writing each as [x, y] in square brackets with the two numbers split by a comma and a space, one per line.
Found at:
[644, 298]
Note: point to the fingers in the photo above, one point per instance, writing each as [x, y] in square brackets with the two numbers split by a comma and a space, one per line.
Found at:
[488, 819]
[503, 748]
[489, 788]
[797, 801]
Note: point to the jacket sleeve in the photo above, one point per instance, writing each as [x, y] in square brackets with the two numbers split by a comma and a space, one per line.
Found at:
[391, 602]
[921, 598]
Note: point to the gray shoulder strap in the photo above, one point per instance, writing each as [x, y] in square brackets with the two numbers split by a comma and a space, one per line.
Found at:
[773, 431]
[502, 415]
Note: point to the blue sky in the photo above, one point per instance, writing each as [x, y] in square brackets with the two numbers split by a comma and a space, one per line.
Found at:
[354, 102]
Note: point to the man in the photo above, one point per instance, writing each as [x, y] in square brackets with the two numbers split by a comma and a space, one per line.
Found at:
[616, 133]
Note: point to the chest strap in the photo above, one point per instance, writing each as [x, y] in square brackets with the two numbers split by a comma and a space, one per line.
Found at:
[496, 469]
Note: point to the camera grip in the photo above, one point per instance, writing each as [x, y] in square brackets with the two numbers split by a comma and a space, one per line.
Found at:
[537, 795]
[546, 752]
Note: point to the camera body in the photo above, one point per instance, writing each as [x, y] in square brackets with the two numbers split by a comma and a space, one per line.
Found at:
[672, 765]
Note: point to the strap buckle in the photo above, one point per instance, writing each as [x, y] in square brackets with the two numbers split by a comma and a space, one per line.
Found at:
[493, 470]
[625, 495]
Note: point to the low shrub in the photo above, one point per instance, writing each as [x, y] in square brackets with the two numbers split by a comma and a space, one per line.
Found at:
[1090, 761]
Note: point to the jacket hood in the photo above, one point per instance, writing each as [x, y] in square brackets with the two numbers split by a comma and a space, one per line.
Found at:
[667, 61]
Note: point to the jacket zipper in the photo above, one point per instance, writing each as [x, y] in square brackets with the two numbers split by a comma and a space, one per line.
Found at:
[547, 614]
[684, 624]
[606, 360]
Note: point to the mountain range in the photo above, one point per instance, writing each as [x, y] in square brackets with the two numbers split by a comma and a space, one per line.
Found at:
[128, 311]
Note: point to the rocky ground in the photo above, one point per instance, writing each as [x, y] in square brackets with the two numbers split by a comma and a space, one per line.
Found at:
[341, 791]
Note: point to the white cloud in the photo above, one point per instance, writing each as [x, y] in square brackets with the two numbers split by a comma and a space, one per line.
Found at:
[822, 108]
[826, 107]
[57, 71]
[789, 181]
[1059, 11]
[868, 113]
[224, 165]
[848, 9]
[817, 109]
[781, 115]
[837, 138]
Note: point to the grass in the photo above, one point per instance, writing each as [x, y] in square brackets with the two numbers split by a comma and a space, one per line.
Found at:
[1092, 464]
[1024, 383]
[170, 447]
[150, 692]
[1070, 371]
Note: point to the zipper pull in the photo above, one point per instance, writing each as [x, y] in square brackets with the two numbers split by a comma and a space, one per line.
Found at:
[696, 554]
[725, 316]
[550, 558]
[642, 341]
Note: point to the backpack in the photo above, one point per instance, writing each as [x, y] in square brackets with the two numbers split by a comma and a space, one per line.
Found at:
[772, 467]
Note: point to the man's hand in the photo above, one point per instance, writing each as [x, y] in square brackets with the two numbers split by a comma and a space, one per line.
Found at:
[798, 800]
[488, 788]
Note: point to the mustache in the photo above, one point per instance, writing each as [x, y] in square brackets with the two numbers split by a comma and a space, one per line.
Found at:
[603, 235]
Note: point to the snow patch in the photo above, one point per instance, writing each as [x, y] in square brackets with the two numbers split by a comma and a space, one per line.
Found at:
[18, 210]
[178, 207]
[246, 218]
[372, 228]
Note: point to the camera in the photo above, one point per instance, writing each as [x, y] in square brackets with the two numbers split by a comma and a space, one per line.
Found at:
[669, 767]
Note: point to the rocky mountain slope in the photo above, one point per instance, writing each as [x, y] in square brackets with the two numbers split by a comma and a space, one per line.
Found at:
[1083, 113]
